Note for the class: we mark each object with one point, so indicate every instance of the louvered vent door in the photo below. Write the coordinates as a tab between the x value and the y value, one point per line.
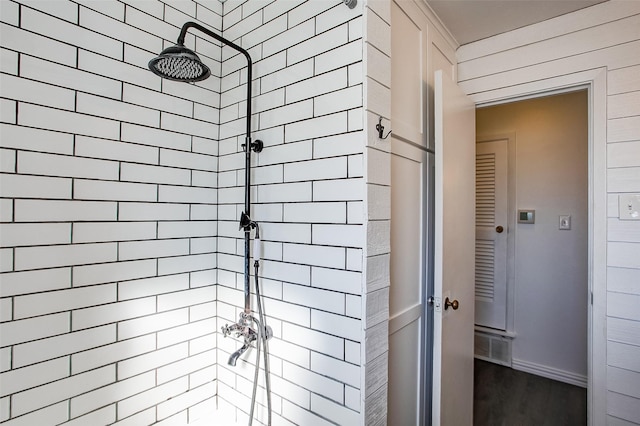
491	241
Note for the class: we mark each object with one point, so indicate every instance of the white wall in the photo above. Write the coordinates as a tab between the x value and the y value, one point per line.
603	36
551	281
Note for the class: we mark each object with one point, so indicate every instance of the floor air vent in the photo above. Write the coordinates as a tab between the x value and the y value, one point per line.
493	348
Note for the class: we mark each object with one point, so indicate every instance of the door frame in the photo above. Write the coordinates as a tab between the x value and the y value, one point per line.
595	81
426	373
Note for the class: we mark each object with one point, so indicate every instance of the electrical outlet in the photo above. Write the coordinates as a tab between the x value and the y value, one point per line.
564	222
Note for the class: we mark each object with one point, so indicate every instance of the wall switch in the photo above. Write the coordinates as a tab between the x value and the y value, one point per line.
629	206
564	222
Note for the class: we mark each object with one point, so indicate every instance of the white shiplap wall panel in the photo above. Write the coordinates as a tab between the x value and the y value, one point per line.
623	154
605	37
624	280
623	80
623	356
625	179
624	381
624	230
624	407
615	57
549	29
623	305
583	41
624	105
615	421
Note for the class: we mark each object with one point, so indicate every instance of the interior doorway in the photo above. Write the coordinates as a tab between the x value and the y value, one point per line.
547	272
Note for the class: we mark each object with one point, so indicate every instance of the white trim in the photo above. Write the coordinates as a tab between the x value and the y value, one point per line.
538	88
549	372
596	82
597	368
560	91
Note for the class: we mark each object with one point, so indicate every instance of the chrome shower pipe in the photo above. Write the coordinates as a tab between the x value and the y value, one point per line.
248	146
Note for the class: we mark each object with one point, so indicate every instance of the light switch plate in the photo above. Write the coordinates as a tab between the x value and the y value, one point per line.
564	222
629	206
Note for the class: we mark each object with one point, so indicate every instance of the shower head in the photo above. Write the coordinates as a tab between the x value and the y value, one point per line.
179	64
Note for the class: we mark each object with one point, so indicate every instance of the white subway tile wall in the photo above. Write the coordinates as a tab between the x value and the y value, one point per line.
302	100
120	194
108	231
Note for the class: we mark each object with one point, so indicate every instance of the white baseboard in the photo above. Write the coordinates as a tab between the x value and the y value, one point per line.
549	372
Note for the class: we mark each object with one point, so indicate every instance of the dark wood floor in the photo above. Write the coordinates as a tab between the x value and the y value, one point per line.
507	397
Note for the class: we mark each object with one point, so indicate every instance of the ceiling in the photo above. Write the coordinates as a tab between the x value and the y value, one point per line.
472	20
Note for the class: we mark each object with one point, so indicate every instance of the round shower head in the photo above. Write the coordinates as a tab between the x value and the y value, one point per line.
179	64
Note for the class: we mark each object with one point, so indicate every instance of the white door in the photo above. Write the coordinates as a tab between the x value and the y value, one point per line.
491	234
454	255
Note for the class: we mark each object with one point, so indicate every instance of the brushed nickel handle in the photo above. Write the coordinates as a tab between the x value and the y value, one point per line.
454	305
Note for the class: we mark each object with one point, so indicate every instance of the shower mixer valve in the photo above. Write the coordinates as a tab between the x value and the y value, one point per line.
249	334
239	330
242	328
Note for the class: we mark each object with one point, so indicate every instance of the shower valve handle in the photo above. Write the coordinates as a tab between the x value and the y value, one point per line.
228	329
240	330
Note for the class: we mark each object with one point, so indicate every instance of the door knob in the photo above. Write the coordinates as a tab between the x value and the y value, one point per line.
499	229
453	304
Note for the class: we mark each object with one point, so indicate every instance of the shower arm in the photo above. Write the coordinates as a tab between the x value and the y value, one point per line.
248	146
183	34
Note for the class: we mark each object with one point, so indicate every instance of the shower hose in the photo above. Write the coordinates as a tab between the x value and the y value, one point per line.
263	337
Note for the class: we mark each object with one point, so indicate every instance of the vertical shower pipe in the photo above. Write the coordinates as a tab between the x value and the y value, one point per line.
248	146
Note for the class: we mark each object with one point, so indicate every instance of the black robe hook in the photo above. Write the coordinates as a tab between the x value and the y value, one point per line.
380	129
